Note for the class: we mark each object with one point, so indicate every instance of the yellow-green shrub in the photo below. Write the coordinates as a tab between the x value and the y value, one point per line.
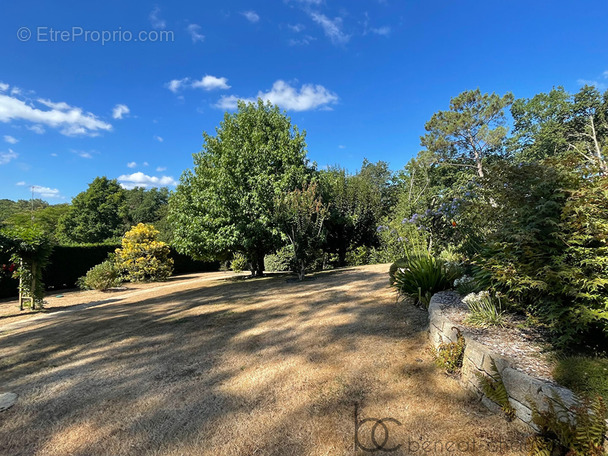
142	258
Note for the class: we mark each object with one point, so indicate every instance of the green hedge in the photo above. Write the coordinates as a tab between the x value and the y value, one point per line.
68	263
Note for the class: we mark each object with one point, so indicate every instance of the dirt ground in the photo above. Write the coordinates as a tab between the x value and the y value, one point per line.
210	366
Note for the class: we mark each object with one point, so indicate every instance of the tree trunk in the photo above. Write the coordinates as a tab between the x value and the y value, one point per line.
258	264
302	271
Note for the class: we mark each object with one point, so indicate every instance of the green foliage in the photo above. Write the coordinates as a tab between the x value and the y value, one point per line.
399	264
585	375
300	216
424	275
43	217
142	258
280	261
30	249
100	277
466	285
95	213
494	388
576	431
484	310
146	206
470	131
356	203
449	355
359	256
239	262
227	203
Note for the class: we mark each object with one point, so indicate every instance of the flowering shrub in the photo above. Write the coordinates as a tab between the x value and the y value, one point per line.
142	258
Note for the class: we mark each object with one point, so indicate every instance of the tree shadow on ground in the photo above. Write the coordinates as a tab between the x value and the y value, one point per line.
234	368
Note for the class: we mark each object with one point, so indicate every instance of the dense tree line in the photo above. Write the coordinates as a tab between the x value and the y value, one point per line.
102	213
525	209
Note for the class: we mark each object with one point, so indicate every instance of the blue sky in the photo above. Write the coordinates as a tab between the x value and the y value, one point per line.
361	77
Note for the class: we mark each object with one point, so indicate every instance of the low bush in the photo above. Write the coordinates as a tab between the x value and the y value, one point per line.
239	263
358	256
484	310
280	261
424	275
100	277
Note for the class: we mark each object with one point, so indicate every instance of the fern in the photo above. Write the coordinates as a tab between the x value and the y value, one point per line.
574	431
494	388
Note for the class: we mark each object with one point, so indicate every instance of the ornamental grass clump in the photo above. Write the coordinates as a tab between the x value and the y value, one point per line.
142	258
485	310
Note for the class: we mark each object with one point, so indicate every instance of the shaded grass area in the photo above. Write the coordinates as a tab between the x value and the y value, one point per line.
587	376
264	367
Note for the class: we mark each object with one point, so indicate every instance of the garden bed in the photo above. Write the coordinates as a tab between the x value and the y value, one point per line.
523	345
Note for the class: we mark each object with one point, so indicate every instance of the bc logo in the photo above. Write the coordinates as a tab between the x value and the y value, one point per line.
378	446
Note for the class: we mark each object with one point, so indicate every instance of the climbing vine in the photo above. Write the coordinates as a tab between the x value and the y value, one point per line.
30	250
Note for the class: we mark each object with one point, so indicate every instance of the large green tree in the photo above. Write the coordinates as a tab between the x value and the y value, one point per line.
470	131
146	206
95	213
227	203
356	204
557	123
300	215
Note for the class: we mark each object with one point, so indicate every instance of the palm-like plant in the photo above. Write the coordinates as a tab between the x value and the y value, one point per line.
424	275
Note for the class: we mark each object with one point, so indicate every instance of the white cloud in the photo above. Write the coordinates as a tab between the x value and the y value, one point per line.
382	31
598	85
341	146
251	16
38	129
160	169
131	165
20	183
6	157
155	19
207	82
3	87
287	97
195	33
83	153
70	121
176	84
46	192
11	140
54	154
140	179
159	138
297	28
146	164
331	28
304	41
120	110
